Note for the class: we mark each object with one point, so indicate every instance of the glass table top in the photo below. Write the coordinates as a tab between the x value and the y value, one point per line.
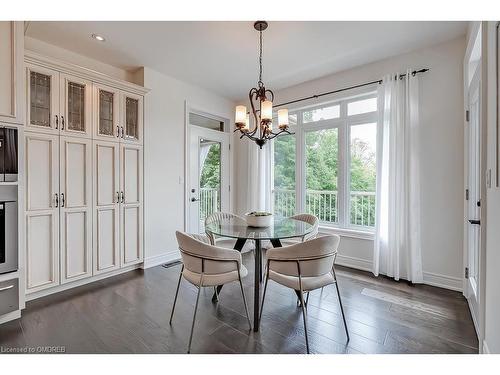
280	228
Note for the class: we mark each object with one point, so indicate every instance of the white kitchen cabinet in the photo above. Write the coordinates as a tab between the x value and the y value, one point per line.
131	210
107	114
75	106
132	116
42	211
11	72
75	208
106	206
58	103
84	175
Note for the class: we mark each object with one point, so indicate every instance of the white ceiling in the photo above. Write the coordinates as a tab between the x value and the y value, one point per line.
223	56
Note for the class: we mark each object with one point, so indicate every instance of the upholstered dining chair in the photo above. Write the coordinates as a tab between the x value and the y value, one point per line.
217	216
307	218
205	265
304	267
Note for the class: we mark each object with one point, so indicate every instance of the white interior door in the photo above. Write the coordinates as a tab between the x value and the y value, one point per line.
76	208
42	211
208	179
131	204
474	198
106	216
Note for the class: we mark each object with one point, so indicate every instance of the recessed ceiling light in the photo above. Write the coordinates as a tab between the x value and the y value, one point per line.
98	37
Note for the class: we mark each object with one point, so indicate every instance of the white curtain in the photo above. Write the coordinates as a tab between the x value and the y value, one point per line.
258	177
204	150
397	250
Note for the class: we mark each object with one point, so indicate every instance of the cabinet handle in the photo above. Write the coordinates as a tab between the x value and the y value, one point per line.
123	133
7	288
62	122
117	197
62	200
117	131
123	197
57	200
57	122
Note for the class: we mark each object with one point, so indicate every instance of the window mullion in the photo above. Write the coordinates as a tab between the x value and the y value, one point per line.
300	163
343	170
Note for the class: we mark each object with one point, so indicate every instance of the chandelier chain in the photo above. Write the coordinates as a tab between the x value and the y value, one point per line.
260	59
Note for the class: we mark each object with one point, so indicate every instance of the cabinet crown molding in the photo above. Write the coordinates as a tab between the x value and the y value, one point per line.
82	72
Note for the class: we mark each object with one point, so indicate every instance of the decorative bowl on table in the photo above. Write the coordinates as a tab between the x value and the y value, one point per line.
259	219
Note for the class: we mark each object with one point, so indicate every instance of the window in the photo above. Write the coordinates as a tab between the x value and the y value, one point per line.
328	168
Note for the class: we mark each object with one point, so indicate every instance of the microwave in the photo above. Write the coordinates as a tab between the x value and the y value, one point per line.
8	155
8	229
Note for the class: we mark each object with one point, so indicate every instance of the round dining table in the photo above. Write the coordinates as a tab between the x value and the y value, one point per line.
237	228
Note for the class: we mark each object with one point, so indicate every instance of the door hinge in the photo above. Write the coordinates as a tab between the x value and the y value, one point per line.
229	187
466	194
229	146
466	274
467	115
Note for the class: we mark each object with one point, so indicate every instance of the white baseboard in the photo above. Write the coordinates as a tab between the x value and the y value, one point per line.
353	262
10	316
161	259
486	350
60	288
443	281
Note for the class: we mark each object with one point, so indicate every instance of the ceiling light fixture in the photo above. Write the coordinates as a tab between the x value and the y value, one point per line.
98	37
263	129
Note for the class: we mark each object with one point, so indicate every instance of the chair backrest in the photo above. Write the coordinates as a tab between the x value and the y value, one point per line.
311	258
310	219
199	256
217	216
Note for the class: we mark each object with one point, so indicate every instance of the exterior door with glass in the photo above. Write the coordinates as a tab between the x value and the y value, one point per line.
208	175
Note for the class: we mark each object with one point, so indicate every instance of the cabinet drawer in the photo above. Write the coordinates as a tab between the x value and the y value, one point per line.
9	296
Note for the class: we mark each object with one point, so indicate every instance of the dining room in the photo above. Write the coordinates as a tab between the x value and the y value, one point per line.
280	185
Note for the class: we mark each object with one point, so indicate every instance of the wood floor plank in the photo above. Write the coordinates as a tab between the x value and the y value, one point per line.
130	313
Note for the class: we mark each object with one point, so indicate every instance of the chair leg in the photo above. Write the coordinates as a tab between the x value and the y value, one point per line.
216	294
176	293
304	315
194	315
340	303
307	298
245	303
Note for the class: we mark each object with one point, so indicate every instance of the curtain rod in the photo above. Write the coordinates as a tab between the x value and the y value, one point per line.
401	76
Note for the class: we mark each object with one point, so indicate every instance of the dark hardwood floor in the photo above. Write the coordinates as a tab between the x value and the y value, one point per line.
129	313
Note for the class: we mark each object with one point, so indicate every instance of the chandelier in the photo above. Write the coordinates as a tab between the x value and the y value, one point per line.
263	116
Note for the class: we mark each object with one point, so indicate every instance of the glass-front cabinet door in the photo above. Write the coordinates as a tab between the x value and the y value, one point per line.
76	102
107	113
132	120
43	98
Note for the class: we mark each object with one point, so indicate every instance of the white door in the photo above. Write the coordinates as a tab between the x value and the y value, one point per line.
106	204
131	204
75	106
474	197
76	208
42	99
42	211
208	179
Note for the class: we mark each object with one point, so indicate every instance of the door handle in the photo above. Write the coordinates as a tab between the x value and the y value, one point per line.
194	199
62	122
475	222
62	200
123	197
117	131
117	197
57	200
57	122
123	133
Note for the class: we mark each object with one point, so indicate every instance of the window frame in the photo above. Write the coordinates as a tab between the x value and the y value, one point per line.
343	123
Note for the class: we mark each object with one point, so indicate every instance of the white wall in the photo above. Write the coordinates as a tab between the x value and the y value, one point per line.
492	298
164	157
442	154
